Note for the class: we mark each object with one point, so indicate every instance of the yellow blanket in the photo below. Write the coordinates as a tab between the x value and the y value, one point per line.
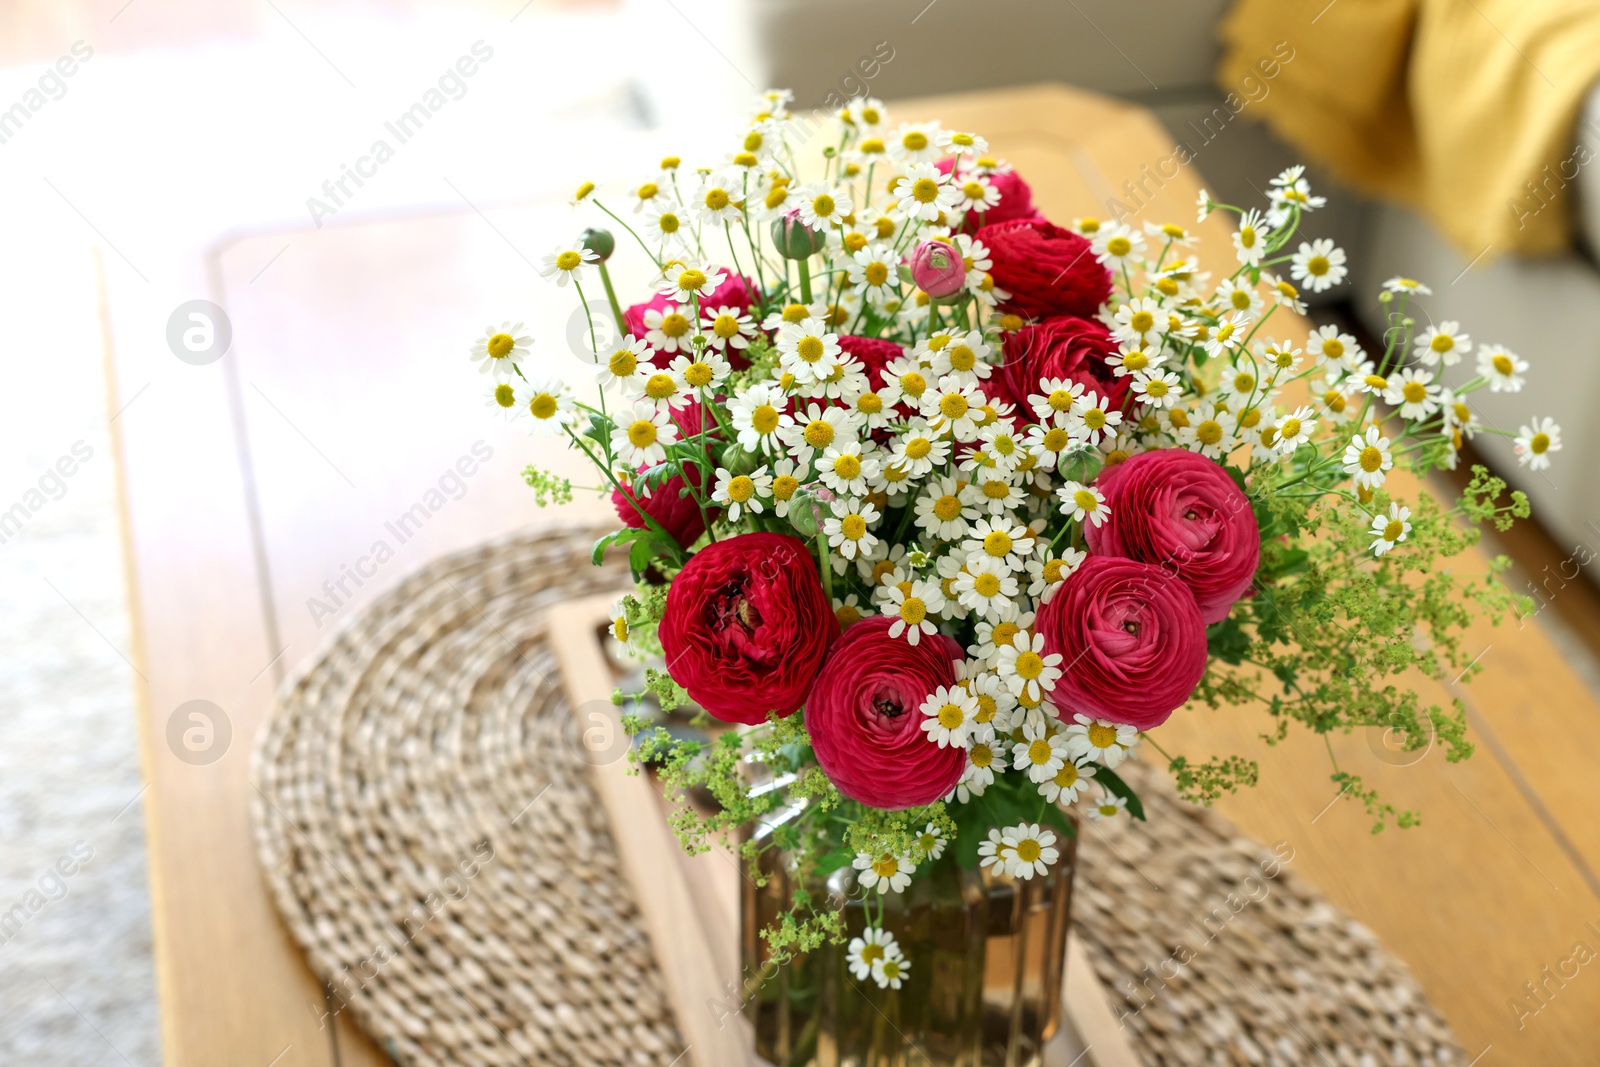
1464	109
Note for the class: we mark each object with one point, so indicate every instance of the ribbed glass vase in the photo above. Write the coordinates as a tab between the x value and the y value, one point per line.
987	959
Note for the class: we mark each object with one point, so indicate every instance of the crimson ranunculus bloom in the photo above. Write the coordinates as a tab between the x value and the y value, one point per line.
1046	269
1182	511
864	716
1061	347
747	625
1132	644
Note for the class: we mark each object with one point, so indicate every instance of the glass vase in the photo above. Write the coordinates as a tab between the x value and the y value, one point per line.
987	955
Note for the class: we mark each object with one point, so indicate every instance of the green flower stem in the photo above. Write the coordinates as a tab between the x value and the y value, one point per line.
827	566
804	267
616	308
653	257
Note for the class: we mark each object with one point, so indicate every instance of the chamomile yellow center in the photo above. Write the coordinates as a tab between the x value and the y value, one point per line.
819	433
501	344
1209	432
1393	530
674	324
951	716
1371	458
542	406
853	527
947	508
642	434
568	260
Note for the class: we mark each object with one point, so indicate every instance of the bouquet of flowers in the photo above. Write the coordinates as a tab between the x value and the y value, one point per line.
949	507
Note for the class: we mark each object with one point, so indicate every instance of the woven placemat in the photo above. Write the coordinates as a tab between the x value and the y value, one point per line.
427	826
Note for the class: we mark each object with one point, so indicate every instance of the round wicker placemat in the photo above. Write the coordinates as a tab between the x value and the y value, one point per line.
427	826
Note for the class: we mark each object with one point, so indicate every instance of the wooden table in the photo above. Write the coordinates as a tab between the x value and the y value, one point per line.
260	485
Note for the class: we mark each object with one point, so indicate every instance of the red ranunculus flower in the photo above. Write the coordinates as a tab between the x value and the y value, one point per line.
667	503
865	719
1132	644
1180	510
1061	347
746	626
1047	270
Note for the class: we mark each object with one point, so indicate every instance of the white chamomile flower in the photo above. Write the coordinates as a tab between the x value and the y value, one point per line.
1284	294
1389	530
918	451
1294	430
503	398
962	144
640	436
759	415
1503	367
986	586
664	227
1333	347
1118	246
1047	442
1250	240
667	328
948	716
1068	783
567	263
784	485
1403	286
1001	539
1415	392
873	946
549	404
1158	388
1025	668
1047	573
686	282
977	193
659	387
500	350
816	428
1443	343
916	143
978	774
705	370
1094	418
888	873
727	327
1108	807
1227	335
1083	503
905	382
1210	432
964	358
953	408
823	207
807	350
1535	442
619	622
1041	752
843	469
941	510
994	852
874	272
849	528
995	490
931	843
1367	458
738	492
923	193
1140	322
1318	265
911	607
621	368
890	974
1032	850
1054	400
1238	295
1100	740
718	200
993	635
1131	360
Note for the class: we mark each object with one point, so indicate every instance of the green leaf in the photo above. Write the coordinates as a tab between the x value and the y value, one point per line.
639	556
1115	785
615	537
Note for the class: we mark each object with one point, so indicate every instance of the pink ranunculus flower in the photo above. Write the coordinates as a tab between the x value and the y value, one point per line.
1181	511
865	717
735	292
938	269
1132	644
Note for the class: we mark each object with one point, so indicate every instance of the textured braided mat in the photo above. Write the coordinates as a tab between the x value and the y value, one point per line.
427	825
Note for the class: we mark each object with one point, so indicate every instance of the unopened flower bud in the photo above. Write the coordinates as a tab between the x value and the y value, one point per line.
598	241
737	460
1081	465
809	507
938	269
794	239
